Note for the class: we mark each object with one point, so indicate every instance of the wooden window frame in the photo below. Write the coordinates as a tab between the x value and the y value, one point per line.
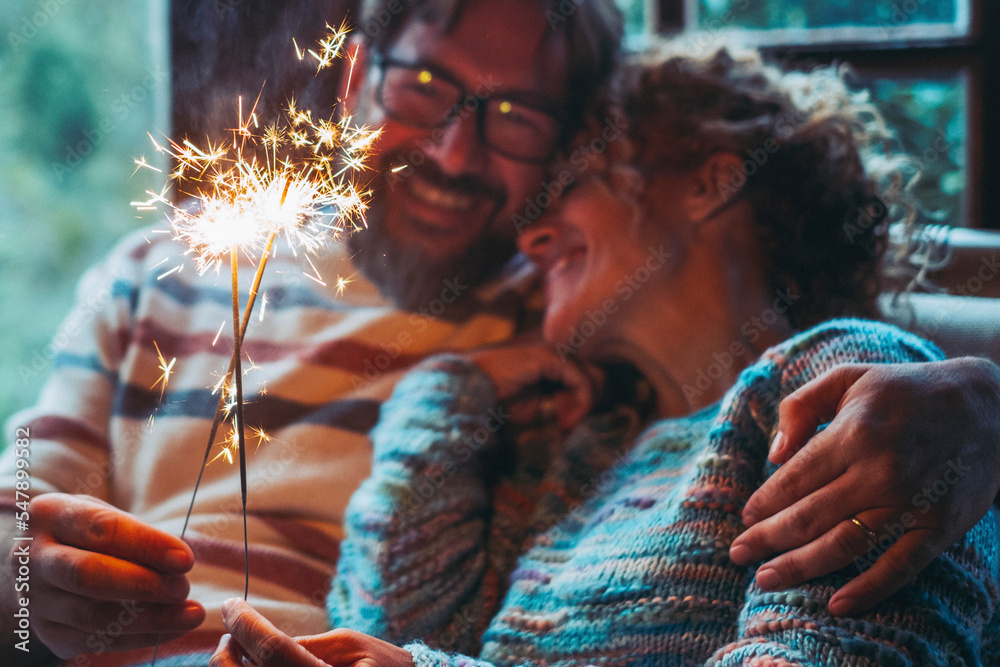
969	49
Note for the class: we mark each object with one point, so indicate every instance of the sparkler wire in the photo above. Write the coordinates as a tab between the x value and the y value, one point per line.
232	364
240	430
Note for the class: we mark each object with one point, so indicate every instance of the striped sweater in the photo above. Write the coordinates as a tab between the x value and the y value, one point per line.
612	549
318	366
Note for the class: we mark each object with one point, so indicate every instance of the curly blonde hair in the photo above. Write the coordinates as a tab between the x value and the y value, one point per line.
805	139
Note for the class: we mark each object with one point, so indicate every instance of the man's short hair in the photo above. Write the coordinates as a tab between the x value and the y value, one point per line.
592	30
226	49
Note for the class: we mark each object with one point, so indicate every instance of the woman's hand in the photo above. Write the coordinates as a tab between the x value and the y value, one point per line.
520	370
912	452
253	637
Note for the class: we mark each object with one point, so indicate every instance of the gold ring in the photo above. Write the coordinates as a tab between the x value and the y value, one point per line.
868	531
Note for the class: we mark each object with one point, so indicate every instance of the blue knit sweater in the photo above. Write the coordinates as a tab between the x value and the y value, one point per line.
611	547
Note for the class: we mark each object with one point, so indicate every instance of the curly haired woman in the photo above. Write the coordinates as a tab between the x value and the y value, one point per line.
611	546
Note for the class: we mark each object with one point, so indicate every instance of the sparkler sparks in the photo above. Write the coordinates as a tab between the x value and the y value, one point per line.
291	179
342	283
294	180
166	369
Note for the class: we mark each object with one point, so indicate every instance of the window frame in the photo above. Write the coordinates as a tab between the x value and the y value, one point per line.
906	52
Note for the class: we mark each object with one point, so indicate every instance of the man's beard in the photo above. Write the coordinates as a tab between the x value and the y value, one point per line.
404	272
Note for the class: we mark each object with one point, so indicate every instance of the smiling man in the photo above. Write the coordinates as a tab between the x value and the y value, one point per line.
475	97
471	115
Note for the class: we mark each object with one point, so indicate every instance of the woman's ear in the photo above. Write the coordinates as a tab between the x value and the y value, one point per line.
713	185
352	78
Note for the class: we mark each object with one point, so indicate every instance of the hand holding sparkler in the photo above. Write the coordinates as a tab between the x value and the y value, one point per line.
292	180
95	566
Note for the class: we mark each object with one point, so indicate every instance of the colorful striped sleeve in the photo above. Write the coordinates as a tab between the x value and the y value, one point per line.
415	551
68	427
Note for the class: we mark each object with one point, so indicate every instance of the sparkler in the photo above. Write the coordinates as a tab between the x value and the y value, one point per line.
291	179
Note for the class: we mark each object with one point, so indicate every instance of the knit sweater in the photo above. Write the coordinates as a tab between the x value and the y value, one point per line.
318	365
608	549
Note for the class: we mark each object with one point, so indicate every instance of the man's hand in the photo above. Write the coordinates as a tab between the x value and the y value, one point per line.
517	368
912	451
98	570
254	638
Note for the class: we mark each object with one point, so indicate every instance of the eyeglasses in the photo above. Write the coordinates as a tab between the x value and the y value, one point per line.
426	97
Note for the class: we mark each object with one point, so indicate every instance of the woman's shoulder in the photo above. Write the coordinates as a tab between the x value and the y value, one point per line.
849	340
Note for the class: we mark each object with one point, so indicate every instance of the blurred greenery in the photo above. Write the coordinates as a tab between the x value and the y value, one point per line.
769	14
635	17
928	114
80	85
928	117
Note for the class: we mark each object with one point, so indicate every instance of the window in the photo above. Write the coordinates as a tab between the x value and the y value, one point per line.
832	21
81	85
926	63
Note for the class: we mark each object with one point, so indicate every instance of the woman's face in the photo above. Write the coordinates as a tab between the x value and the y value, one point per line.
601	261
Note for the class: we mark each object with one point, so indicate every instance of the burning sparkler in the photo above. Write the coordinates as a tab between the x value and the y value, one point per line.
291	179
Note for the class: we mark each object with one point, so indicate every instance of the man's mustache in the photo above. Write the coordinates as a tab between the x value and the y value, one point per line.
429	172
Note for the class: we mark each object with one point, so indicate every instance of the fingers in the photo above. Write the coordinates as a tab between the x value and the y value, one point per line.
801	523
521	372
227	654
845	544
67	642
263	643
95	526
811	405
99	577
546	385
131	616
892	570
818	464
347	648
575	402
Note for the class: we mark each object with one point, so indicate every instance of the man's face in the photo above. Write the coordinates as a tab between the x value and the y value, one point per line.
447	211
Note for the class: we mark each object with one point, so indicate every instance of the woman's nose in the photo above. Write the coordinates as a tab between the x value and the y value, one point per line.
536	238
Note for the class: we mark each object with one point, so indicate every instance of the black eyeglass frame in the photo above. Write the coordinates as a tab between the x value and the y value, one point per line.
382	62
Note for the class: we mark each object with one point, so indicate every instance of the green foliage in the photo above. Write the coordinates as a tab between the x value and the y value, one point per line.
79	88
928	118
769	14
635	17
